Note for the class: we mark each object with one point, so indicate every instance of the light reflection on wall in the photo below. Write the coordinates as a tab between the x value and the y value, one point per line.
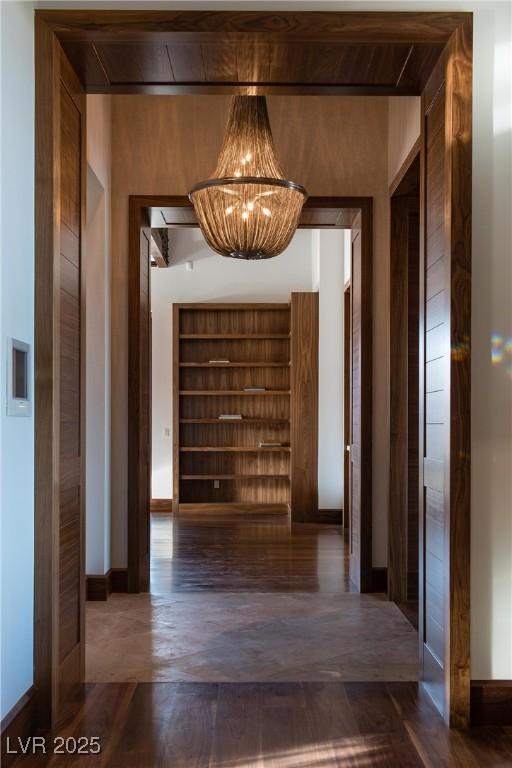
501	351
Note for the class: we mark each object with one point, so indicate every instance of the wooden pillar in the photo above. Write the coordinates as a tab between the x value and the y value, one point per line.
304	406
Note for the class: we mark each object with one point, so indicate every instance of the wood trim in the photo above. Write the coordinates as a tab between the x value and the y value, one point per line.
274	89
366	407
404	266
160	506
18	723
491	702
360	213
347	333
280	26
329	516
449	685
304	406
119	580
138	508
400	27
46	325
57	679
98	587
459	76
379	579
409	160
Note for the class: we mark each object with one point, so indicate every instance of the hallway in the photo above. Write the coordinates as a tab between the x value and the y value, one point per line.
251	652
248	600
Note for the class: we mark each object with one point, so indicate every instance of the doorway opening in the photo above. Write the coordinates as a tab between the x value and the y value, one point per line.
432	59
332	213
232	581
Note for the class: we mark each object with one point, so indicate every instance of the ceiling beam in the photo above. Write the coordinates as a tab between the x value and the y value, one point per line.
235	26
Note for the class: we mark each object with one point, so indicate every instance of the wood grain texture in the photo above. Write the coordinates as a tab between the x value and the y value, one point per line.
404	415
98	587
435	343
346	404
46	327
161	506
139	400
459	131
361	363
390	27
445	380
304	406
222	724
491	702
60	377
255	339
290	52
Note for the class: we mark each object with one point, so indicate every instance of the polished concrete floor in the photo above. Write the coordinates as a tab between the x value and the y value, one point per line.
248	600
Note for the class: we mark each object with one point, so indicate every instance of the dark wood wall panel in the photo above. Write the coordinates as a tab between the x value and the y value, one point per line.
436	395
404	330
445	378
355	420
304	406
71	376
254	52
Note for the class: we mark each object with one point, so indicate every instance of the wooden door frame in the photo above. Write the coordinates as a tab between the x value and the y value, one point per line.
347	298
398	389
453	29
356	209
52	68
454	73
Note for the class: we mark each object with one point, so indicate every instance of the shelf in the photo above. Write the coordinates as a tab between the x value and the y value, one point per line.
233	342
234	477
234	365
234	507
228	336
235	421
236	392
234	449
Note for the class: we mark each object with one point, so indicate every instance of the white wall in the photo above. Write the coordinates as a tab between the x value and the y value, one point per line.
491	405
213	279
97	359
330	379
17	320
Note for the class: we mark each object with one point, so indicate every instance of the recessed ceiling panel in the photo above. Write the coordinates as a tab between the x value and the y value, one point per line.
133	63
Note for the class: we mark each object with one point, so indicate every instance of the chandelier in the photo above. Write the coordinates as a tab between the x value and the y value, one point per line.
248	210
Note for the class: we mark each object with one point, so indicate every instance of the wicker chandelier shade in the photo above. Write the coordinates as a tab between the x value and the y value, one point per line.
247	210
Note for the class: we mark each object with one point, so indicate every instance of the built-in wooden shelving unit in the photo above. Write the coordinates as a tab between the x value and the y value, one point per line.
219	350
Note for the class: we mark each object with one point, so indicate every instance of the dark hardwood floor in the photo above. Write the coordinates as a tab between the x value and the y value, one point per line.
246	554
268	725
229	719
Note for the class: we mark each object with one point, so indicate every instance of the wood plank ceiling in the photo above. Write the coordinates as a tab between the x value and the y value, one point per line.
223	52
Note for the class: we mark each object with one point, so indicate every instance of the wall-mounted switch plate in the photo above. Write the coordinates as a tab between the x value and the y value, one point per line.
167	431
